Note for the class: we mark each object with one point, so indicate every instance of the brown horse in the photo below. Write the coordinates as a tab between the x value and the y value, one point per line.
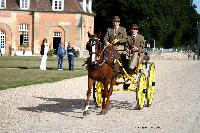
101	68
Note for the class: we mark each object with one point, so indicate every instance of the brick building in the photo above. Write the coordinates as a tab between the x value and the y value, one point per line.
25	23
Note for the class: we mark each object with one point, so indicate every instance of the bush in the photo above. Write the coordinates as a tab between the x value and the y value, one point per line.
51	52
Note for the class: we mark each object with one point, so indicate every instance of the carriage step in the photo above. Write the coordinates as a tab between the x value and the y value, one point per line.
125	86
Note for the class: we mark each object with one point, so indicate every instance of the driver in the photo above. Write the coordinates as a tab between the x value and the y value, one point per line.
117	37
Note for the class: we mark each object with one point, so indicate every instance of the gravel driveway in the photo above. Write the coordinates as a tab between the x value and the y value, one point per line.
58	107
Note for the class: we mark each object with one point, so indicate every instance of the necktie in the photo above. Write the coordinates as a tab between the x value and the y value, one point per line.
115	30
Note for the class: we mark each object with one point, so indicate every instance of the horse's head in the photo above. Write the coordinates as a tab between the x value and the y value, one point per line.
93	46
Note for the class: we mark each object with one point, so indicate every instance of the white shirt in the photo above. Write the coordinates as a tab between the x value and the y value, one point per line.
46	48
115	29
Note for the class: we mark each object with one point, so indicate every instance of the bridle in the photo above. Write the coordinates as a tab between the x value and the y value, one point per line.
92	44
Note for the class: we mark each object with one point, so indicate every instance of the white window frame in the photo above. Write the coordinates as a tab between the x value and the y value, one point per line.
58	5
57	34
2	38
2	4
23	30
24	4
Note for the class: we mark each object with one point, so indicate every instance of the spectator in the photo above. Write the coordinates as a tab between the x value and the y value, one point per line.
77	53
61	54
70	53
0	50
43	52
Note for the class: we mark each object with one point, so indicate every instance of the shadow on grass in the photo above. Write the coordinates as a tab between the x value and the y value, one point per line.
23	67
48	68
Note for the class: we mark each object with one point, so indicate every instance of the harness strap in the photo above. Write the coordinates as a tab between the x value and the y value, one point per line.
98	57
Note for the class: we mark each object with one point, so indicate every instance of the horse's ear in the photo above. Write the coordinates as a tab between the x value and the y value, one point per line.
89	35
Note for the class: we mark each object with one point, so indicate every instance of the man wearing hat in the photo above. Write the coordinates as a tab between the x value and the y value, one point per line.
116	35
135	46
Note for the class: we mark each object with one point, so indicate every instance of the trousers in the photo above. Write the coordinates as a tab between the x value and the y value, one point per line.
43	63
60	62
136	59
71	62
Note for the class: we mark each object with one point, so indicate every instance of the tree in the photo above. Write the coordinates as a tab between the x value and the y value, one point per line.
171	23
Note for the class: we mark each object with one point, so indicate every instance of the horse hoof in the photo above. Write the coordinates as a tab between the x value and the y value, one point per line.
85	113
103	112
97	106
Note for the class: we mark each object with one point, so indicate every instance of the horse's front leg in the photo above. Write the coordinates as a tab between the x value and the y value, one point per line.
113	82
106	98
90	85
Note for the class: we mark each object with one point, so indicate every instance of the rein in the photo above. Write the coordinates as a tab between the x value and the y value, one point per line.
98	57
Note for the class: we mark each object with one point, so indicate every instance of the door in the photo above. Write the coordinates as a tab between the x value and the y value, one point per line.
2	42
56	41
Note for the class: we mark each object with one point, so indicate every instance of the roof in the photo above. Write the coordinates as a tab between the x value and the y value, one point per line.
70	6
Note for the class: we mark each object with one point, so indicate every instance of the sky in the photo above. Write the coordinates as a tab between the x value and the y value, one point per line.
197	3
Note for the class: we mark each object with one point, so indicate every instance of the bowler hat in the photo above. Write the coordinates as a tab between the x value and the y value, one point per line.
116	18
134	26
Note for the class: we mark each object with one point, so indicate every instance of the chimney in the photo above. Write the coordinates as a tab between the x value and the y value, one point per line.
89	6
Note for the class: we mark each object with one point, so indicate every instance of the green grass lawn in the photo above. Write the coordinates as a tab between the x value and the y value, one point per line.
18	71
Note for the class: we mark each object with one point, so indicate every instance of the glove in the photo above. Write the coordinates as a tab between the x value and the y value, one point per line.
115	41
135	48
107	44
127	50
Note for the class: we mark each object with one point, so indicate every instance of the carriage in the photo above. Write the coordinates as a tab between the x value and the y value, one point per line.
141	80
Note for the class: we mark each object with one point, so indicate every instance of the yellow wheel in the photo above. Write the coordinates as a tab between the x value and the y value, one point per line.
150	84
97	93
140	95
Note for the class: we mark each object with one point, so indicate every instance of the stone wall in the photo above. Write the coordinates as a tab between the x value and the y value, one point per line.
169	56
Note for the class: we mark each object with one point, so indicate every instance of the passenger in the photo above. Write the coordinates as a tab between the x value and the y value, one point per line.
135	44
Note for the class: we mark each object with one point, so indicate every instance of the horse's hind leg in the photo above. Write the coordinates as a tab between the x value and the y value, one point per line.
90	84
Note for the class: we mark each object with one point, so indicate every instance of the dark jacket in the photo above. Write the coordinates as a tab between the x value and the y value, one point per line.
42	49
61	51
70	50
138	42
120	34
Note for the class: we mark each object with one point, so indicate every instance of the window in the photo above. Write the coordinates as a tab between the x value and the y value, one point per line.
23	34
24	4
57	34
2	39
2	42
2	4
58	5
